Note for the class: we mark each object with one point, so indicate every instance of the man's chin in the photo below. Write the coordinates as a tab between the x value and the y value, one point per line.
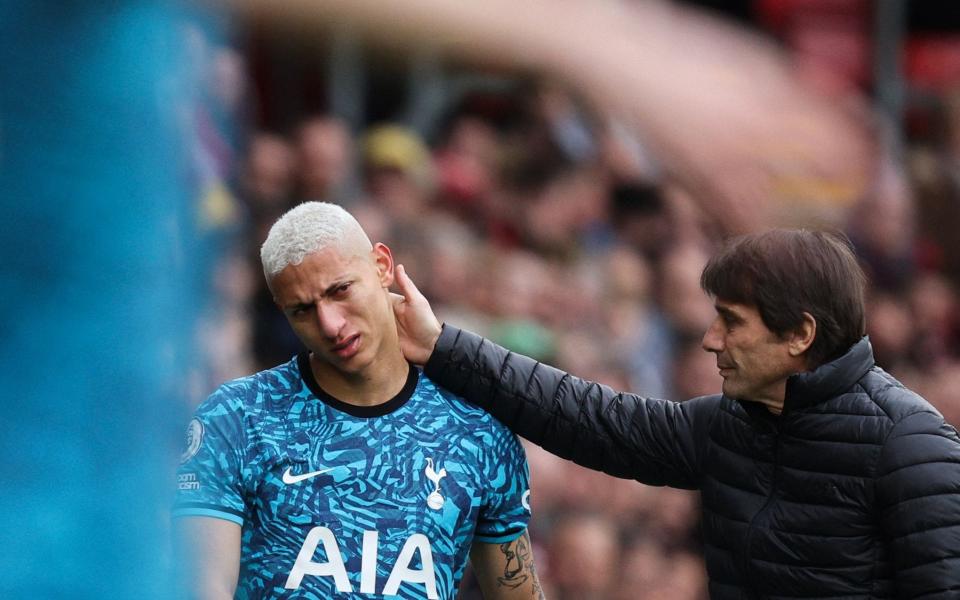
730	391
351	365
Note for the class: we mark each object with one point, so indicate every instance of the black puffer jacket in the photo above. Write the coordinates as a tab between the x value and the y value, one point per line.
853	492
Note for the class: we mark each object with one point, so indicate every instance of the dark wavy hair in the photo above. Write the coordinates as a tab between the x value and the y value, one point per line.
787	272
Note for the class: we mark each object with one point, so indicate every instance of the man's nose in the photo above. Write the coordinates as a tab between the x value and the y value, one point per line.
713	337
331	320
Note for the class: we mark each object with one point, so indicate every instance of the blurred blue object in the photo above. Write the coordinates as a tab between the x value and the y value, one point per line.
99	289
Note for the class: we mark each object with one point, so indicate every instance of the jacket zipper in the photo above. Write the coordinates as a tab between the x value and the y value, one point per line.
747	550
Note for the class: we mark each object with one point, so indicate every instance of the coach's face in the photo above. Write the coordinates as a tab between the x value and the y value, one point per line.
753	360
338	305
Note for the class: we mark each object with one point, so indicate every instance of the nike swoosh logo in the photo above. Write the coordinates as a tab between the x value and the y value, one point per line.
289	478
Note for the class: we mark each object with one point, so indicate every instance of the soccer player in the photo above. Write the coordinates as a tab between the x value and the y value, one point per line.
345	473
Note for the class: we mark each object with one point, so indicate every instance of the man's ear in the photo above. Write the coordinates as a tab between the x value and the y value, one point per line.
802	337
383	258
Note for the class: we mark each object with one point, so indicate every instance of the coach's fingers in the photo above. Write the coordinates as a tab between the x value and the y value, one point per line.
407	288
417	326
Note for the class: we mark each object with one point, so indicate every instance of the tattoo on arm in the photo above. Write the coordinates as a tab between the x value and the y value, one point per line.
519	568
516	559
537	590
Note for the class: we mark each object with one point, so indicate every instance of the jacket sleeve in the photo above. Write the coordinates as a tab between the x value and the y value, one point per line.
918	490
653	441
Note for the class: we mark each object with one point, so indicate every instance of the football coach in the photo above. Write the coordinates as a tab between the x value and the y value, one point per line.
821	476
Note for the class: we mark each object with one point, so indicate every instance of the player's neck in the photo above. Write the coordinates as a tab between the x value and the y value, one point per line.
383	379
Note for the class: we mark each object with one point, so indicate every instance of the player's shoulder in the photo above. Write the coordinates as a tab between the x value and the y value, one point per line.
475	418
251	392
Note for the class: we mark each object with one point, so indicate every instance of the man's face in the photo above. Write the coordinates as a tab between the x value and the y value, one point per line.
753	361
338	305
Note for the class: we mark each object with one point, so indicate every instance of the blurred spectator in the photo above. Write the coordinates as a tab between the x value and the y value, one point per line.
638	336
326	163
267	181
933	301
891	330
934	165
559	218
684	303
685	579
268	185
639	217
883	229
674	517
936	183
466	164
583	554
645	566
397	172
519	281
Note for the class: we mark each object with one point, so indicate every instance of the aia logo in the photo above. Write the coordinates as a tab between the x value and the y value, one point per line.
334	567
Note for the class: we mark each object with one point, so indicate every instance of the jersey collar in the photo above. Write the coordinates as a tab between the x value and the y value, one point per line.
378	410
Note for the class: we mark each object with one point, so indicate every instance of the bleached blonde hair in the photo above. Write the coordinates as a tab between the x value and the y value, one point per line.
308	228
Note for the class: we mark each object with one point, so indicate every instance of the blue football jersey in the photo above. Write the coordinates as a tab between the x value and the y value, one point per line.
341	501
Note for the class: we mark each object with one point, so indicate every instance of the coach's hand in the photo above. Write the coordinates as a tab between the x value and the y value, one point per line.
418	327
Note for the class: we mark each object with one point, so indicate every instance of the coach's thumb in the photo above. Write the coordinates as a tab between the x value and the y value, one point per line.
406	286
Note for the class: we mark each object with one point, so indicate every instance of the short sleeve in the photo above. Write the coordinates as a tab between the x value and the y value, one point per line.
505	512
209	481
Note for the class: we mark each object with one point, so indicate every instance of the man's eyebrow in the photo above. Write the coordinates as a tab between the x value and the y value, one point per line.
298	305
339	282
727	312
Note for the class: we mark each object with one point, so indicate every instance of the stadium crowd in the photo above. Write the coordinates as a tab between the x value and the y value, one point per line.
552	230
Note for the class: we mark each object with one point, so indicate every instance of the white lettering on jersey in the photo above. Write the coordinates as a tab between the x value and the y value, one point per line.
368	563
188	481
305	565
401	572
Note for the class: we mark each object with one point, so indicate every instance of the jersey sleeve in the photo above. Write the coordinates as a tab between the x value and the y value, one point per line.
209	479
505	512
